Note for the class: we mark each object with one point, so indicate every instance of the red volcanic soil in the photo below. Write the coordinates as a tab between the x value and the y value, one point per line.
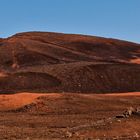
19	100
68	116
14	101
56	62
48	70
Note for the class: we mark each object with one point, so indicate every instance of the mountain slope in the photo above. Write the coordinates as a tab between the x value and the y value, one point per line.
56	62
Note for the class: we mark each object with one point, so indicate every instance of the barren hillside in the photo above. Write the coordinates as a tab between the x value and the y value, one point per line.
56	62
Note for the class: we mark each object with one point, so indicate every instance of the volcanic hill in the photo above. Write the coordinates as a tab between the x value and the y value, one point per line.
57	62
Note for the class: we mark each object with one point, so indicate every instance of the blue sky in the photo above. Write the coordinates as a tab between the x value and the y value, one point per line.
108	18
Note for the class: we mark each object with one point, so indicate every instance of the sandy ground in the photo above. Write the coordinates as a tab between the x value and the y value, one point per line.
136	61
33	116
14	101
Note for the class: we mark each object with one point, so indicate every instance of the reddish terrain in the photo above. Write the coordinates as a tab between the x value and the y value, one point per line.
68	116
57	62
45	81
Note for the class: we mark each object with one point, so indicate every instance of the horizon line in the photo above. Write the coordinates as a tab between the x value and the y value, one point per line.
70	33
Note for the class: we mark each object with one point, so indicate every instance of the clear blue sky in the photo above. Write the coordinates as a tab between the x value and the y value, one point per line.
109	18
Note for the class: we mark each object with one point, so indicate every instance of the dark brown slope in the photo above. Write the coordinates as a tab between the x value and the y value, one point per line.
55	62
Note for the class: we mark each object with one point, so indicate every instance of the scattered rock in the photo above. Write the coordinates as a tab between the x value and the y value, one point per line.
120	116
129	112
68	134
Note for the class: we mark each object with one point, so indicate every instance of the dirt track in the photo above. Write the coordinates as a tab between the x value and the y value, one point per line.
68	116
